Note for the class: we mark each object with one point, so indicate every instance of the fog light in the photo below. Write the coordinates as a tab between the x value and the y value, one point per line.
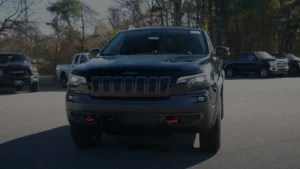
201	99
70	97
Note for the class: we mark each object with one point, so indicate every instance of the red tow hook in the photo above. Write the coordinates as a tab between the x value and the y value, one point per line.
173	120
88	118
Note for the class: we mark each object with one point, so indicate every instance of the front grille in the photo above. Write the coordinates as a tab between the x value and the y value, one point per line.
18	72
281	64
119	86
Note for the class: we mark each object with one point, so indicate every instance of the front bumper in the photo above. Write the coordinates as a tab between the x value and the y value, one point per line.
279	70
14	82
159	115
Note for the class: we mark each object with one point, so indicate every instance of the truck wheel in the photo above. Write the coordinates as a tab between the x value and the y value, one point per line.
264	72
18	88
34	87
210	141
84	137
229	72
293	71
63	80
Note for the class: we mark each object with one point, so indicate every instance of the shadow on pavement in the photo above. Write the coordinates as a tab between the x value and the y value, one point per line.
52	89
54	149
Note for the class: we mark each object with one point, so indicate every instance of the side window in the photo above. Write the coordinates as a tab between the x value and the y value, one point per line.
251	57
76	58
83	59
243	57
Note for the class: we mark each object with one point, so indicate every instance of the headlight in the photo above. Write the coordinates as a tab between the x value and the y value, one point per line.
272	63
194	80
76	80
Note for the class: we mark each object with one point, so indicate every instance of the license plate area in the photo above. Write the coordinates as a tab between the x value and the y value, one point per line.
19	82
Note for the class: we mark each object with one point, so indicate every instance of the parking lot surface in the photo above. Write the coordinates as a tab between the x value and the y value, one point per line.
260	130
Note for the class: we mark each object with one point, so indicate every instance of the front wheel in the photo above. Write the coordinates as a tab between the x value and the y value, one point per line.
63	80
229	72
85	137
34	87
264	73
210	141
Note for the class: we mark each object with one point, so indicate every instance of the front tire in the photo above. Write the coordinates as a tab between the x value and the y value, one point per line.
229	72
63	80
34	87
264	72
210	141
85	137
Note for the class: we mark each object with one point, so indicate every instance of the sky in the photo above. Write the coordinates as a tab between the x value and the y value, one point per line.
42	16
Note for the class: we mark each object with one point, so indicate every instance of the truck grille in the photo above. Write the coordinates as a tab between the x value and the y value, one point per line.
18	72
281	64
119	86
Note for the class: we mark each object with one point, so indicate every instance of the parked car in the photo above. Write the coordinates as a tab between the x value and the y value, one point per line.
159	81
261	63
293	61
63	70
17	72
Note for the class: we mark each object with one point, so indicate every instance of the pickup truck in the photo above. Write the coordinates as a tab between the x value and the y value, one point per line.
293	61
261	63
63	70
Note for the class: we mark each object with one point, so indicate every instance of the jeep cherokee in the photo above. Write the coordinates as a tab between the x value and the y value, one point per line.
149	81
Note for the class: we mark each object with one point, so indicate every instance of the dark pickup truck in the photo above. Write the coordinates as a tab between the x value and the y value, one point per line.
149	81
293	61
261	63
17	72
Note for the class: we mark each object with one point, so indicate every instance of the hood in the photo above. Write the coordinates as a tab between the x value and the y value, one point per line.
282	60
144	65
15	65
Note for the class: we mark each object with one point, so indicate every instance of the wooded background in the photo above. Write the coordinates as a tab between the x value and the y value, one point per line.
242	25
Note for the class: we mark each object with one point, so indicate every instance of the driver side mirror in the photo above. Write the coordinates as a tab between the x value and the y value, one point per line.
34	62
222	51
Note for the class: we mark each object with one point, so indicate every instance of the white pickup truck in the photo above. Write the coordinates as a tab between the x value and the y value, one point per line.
63	70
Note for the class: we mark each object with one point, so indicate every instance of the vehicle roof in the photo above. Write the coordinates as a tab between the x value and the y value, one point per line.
163	28
10	53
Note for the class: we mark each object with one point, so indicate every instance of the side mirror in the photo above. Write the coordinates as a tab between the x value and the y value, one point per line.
222	51
34	62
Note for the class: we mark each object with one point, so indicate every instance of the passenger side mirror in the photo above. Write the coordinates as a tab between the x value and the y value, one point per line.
222	51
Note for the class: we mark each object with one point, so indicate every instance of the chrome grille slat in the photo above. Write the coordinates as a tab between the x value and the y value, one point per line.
117	86
128	84
106	87
140	84
168	79
155	83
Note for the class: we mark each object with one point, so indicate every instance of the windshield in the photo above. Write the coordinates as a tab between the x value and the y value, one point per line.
157	42
8	58
280	56
264	55
291	56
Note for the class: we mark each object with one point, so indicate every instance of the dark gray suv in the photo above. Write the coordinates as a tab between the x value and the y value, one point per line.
149	81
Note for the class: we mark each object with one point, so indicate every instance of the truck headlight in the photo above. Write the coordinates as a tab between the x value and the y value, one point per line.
76	80
194	80
272	63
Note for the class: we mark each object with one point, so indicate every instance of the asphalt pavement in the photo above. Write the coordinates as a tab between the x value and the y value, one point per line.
260	130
